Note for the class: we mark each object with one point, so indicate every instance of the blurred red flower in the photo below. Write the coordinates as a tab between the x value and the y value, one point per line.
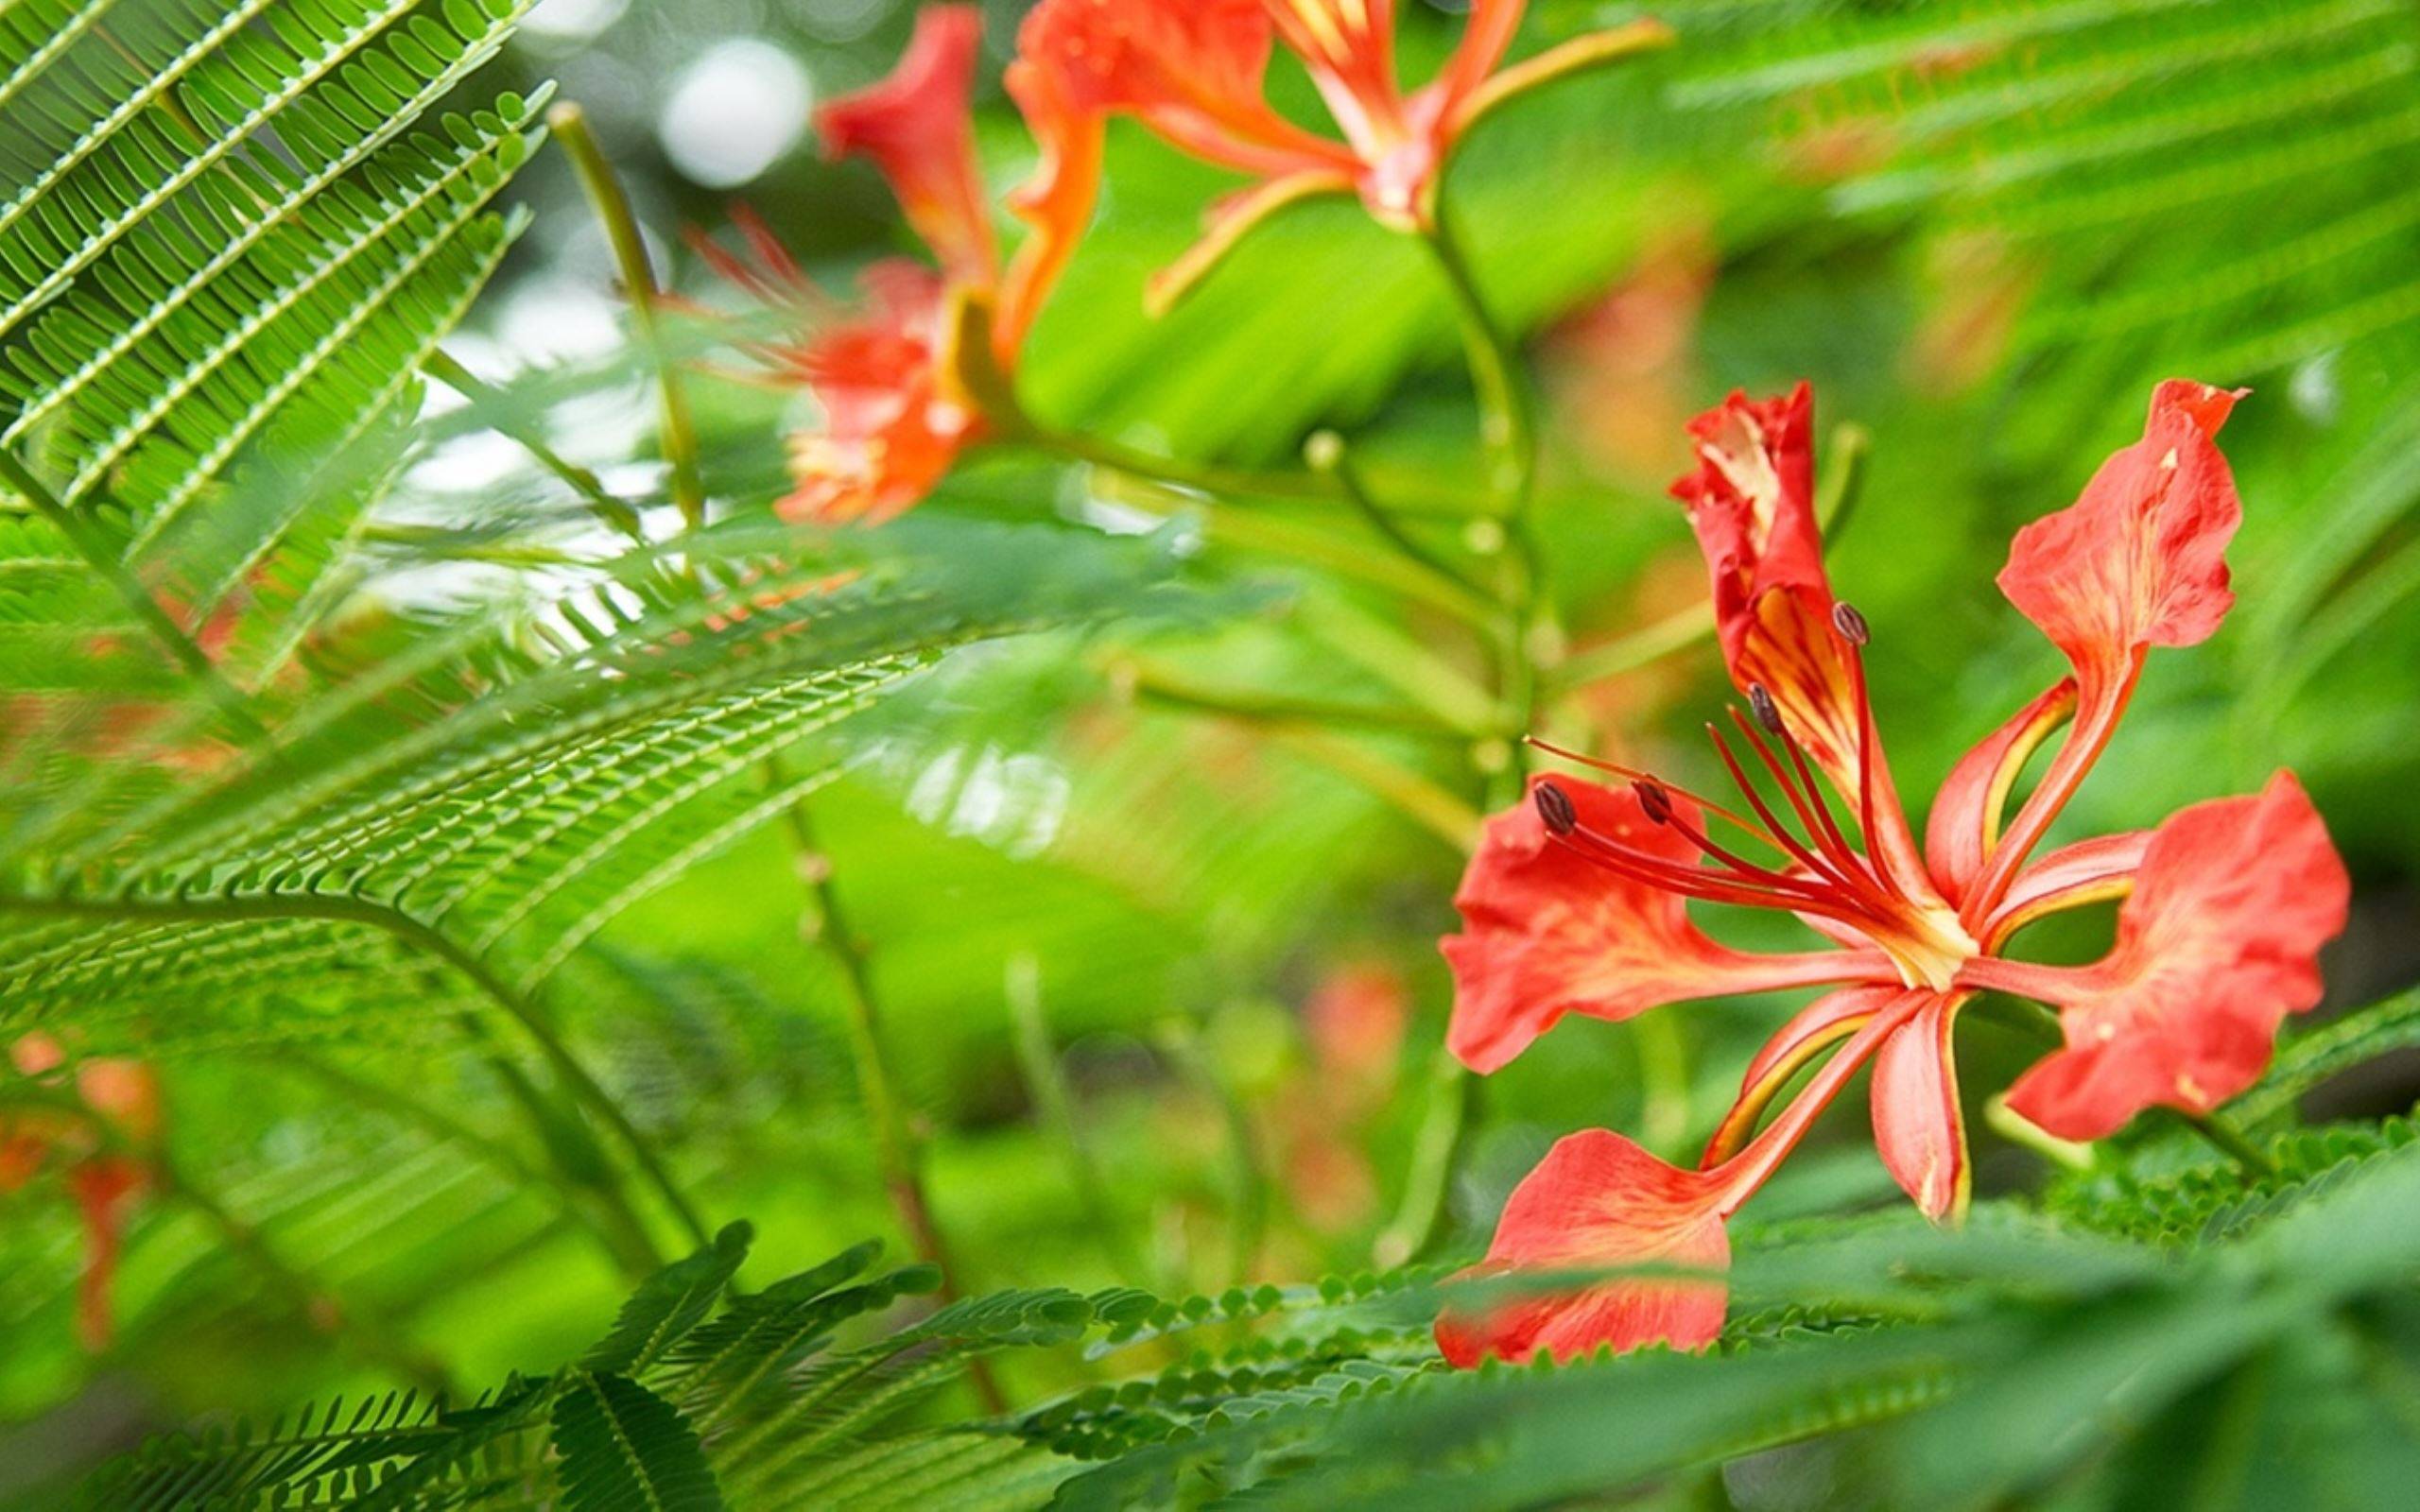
919	373
1192	70
1576	902
108	1113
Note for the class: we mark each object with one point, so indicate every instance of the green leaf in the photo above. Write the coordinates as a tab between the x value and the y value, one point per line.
626	1450
669	1304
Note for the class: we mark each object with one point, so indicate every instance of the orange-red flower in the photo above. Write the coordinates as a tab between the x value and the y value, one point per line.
921	371
1577	901
108	1112
1192	72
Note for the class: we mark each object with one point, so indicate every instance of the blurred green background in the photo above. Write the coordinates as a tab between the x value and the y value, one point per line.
1984	230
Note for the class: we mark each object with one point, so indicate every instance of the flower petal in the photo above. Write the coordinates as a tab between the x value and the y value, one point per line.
1599	1200
1487	36
104	1187
1752	503
2075	876
1231	220
1547	932
890	432
1918	1126
1056	202
1348	47
918	126
1190	70
2140	558
2217	944
1965	825
1820	1025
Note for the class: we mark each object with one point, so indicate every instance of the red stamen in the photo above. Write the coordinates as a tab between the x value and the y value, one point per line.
1821	865
1811	805
1638	774
1790	893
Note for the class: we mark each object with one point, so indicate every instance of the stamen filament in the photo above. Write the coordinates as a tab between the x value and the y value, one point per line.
1811	808
1876	858
1639	774
1821	864
1695	882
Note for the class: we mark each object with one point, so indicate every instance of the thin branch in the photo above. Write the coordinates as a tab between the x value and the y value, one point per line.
1328	456
2222	1135
569	124
1046	1083
898	1147
616	512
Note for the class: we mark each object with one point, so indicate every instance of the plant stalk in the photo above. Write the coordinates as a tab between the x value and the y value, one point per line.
569	124
898	1148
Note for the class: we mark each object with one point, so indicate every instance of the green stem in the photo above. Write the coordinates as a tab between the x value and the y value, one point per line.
1674	632
180	647
616	512
1509	432
2230	1140
1203	477
1247	1178
1419	1217
1258	530
1663	1080
899	1152
1440	812
1327	454
1038	1058
1507	428
569	124
1157	685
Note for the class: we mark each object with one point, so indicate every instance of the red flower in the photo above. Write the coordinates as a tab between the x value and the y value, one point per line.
1192	72
1577	901
115	1105
903	394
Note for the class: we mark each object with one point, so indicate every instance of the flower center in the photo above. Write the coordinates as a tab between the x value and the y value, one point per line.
1815	873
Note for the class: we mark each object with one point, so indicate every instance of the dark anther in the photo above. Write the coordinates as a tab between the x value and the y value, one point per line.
1555	806
1768	713
1654	801
1851	625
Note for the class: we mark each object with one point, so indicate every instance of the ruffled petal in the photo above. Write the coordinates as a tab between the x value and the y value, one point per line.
2218	942
1547	932
918	127
2140	558
1598	1200
1965	825
1751	505
1752	502
1918	1126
